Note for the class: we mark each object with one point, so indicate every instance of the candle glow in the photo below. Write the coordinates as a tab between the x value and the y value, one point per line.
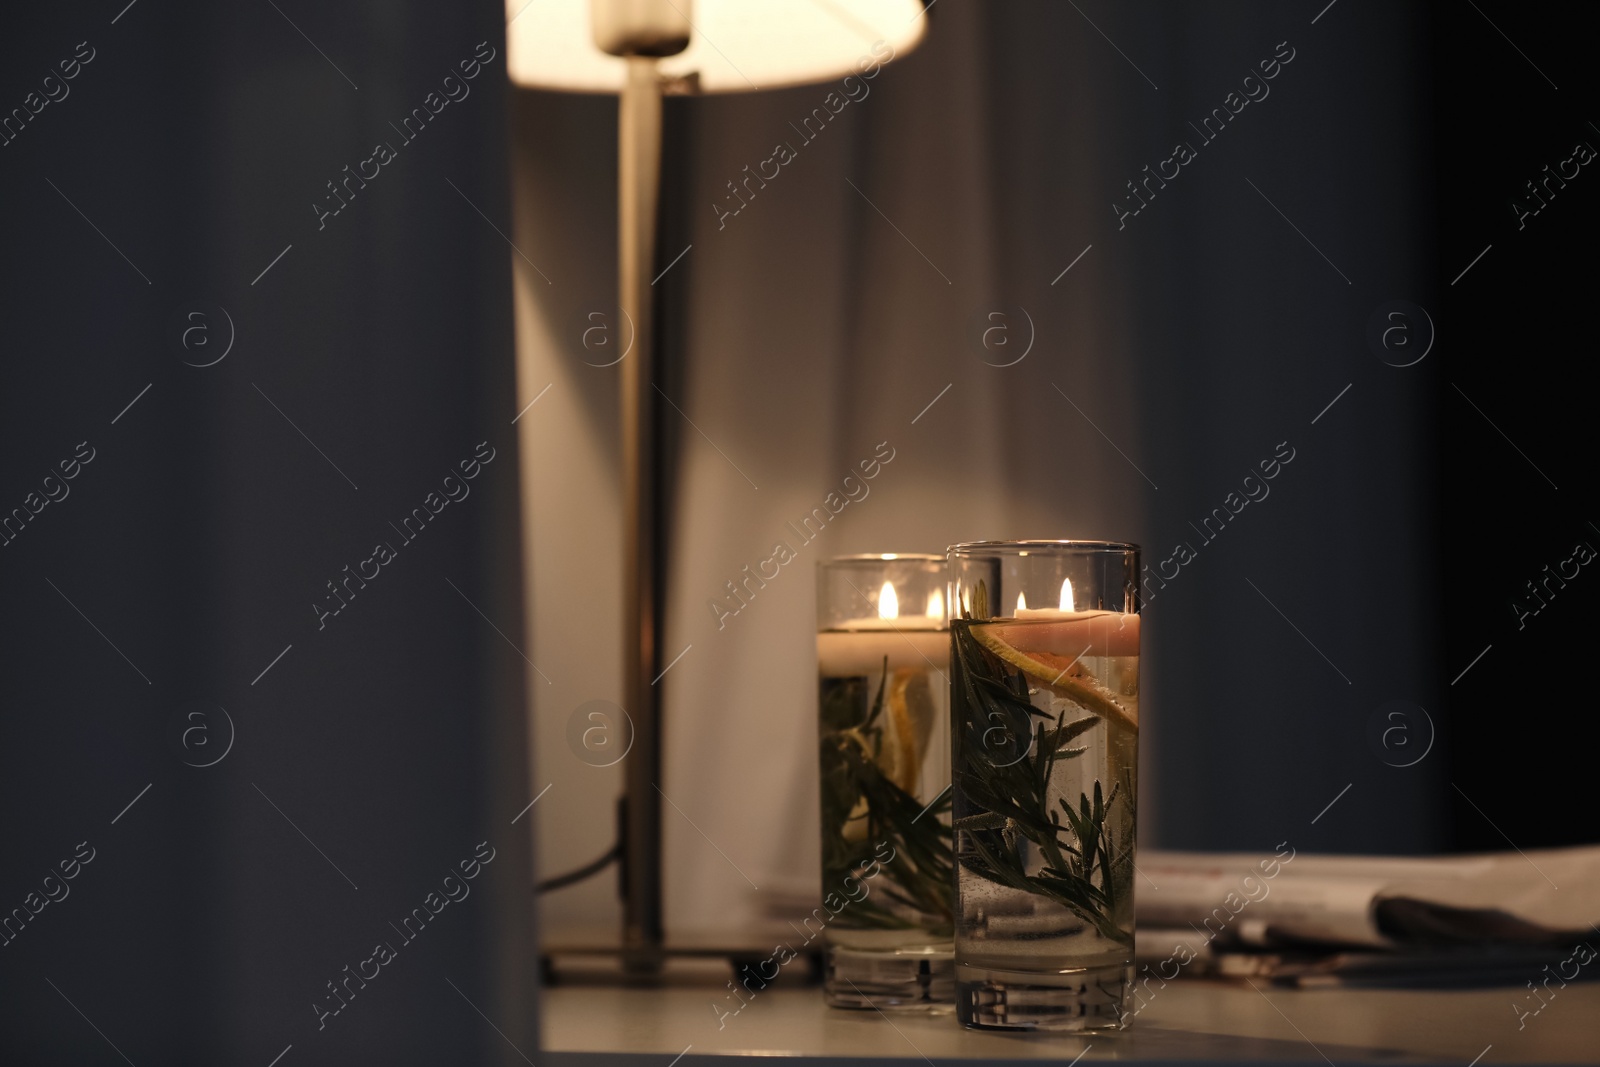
888	603
1066	595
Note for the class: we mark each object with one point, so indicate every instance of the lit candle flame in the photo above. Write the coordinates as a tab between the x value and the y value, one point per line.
1066	595
936	605
888	603
1022	603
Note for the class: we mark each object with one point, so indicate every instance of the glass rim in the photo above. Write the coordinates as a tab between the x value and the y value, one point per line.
883	557
991	547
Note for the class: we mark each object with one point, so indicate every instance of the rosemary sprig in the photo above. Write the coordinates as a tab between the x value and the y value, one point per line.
1006	796
919	891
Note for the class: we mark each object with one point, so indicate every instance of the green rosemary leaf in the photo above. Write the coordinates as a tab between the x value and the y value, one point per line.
980	602
860	801
1073	729
877	705
1006	802
1005	696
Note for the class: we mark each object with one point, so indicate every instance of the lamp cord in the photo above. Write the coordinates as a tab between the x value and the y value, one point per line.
588	870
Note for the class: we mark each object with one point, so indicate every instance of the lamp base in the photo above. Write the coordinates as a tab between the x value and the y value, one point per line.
711	959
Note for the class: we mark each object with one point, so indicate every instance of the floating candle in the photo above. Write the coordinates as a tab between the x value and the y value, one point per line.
858	646
1071	633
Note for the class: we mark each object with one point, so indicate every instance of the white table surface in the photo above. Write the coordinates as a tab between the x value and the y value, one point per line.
1189	1020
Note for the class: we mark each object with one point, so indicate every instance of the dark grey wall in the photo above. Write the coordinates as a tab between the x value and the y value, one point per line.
388	741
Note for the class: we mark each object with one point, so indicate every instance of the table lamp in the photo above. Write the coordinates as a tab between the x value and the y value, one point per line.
640	49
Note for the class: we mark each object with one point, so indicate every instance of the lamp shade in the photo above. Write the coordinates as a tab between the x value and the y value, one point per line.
735	46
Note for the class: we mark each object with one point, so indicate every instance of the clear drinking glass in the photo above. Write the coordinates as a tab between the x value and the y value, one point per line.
883	649
1044	700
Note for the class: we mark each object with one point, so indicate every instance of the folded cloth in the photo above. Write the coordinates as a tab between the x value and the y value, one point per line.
1501	900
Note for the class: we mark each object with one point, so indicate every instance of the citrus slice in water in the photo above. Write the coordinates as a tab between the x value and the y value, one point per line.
1064	675
908	725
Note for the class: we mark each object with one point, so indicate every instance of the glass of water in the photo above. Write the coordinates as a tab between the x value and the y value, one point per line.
1044	702
883	649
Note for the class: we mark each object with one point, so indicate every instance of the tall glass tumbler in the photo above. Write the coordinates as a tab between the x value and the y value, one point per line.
1044	700
883	650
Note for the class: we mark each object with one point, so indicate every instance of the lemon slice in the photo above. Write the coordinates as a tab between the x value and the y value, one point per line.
1063	676
908	725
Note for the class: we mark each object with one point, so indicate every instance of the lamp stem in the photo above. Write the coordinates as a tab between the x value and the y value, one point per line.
638	189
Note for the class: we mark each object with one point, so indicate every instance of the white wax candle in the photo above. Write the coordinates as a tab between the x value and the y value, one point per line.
1071	633
859	646
899	622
